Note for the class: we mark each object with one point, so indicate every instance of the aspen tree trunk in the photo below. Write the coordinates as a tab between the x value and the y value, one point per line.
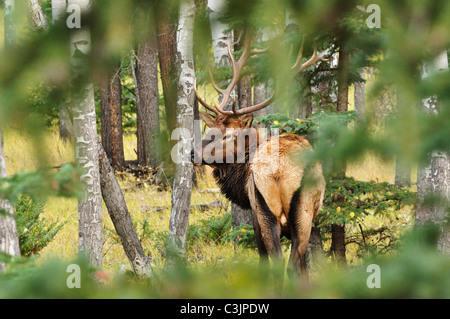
9	24
243	90
402	165
244	99
262	91
59	8
9	239
218	33
182	186
37	16
86	149
433	177
120	216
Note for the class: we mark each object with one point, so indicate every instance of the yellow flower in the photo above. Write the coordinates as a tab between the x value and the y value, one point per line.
338	209
243	230
275	122
352	215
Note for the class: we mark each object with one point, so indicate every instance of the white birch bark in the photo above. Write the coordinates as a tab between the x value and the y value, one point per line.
182	186
37	16
59	8
218	32
9	24
434	176
86	150
220	38
9	239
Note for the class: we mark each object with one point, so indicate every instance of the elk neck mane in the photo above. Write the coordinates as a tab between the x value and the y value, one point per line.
232	179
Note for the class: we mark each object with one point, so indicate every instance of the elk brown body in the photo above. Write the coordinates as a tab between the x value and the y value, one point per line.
271	186
263	174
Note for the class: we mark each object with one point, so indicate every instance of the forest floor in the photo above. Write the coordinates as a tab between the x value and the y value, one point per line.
149	206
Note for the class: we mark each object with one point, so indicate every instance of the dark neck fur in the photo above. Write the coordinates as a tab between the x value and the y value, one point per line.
232	179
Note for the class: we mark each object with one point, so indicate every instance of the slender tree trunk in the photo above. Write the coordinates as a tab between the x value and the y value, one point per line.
218	33
37	16
338	231
59	8
360	96
111	120
86	150
402	164
166	30
182	186
338	241
220	37
9	24
118	211
9	239
433	176
343	78
244	99
148	146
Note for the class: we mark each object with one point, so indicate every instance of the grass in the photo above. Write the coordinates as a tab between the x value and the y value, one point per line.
139	199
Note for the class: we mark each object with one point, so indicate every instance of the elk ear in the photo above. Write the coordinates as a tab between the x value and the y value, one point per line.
209	119
247	120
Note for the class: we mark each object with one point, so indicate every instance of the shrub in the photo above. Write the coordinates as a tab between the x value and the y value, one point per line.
33	232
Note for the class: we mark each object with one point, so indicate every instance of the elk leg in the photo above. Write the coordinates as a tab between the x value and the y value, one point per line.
301	215
263	257
269	228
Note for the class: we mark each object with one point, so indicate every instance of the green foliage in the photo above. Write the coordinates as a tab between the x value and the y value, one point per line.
212	229
42	183
34	233
308	126
347	201
219	230
402	276
243	235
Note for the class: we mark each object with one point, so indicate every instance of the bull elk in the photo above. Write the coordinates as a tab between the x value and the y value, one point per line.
269	178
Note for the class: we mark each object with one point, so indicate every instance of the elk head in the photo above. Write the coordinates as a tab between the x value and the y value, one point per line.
231	136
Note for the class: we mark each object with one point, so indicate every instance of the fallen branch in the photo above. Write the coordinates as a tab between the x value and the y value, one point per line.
202	207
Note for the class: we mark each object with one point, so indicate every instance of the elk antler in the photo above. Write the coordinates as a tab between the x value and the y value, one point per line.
237	67
297	67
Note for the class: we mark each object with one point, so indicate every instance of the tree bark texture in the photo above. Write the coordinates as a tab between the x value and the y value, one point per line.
111	120
182	186
244	99
9	24
218	32
148	130
86	150
166	33
9	239
118	211
433	176
343	78
59	8
338	241
338	231
37	16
